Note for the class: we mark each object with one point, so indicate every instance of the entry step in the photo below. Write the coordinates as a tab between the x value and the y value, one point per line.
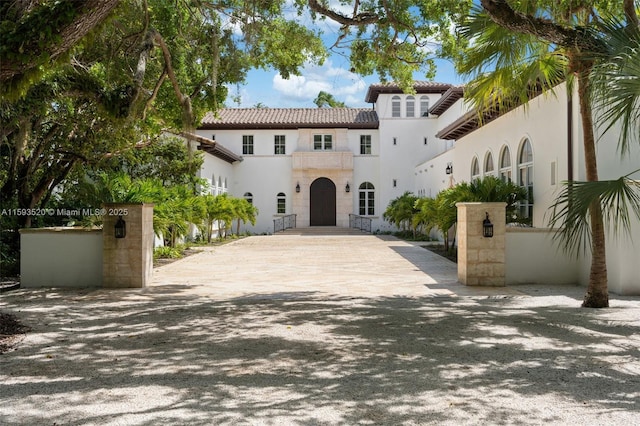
322	230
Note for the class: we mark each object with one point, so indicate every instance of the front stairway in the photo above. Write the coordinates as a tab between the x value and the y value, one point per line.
322	230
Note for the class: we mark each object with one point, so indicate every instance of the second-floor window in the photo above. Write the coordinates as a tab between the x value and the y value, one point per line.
411	106
424	106
365	144
279	147
247	144
395	106
322	142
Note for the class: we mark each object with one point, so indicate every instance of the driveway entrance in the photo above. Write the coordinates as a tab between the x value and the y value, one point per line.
362	265
323	203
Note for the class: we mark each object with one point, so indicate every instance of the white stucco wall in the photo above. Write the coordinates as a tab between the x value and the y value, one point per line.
431	176
398	160
544	123
60	257
532	257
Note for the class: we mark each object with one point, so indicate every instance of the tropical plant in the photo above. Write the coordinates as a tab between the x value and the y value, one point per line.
400	211
425	215
618	200
490	189
244	212
441	212
174	214
218	209
325	99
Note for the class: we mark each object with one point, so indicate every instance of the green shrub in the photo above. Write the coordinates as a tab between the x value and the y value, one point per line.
168	252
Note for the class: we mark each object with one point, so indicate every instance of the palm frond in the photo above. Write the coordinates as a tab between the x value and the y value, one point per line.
507	68
618	200
616	82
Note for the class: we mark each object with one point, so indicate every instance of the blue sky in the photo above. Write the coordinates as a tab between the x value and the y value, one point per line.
270	89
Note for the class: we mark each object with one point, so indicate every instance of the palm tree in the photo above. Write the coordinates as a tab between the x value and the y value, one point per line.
615	93
491	189
400	211
532	52
217	209
244	212
441	212
325	99
426	214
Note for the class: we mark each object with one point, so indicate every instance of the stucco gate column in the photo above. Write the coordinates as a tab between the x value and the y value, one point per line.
481	260
127	262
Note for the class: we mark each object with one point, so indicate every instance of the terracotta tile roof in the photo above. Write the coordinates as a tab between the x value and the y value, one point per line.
212	147
447	99
419	86
290	118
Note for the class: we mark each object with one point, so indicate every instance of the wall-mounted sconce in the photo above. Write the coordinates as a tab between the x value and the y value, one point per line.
487	227
449	168
120	228
347	188
298	187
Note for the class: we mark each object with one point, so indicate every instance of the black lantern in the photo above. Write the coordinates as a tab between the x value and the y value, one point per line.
487	227
449	168
298	187
121	228
347	188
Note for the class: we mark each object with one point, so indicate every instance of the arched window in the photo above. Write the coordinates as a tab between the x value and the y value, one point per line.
424	106
525	177
411	106
488	164
249	197
213	185
505	164
395	106
366	192
225	188
281	203
475	169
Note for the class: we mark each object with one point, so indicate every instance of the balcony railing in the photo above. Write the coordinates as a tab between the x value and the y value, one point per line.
360	222
284	222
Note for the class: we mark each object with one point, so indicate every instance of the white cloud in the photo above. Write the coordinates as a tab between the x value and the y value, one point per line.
341	83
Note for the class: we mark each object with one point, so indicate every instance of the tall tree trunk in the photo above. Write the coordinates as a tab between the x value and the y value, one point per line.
597	295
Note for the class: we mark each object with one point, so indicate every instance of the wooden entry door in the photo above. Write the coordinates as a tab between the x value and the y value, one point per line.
323	203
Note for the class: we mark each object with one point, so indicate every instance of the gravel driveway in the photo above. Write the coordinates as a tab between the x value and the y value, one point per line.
235	336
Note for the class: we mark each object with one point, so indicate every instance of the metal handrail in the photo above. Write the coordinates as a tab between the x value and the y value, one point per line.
284	222
360	222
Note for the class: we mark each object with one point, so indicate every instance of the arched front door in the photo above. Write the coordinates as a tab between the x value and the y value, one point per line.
323	203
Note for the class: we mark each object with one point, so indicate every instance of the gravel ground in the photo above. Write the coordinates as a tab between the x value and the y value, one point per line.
166	356
295	330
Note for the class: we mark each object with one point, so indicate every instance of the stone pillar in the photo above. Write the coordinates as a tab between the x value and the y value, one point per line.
127	262
481	261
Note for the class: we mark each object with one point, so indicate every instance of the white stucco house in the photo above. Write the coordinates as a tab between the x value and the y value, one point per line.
323	164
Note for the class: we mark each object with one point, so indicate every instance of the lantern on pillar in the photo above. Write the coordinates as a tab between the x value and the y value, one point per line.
487	227
120	228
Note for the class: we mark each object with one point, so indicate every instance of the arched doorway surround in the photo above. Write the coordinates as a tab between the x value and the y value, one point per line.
322	203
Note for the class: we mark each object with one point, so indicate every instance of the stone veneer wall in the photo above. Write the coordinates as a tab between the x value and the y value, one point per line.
481	261
128	262
309	166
